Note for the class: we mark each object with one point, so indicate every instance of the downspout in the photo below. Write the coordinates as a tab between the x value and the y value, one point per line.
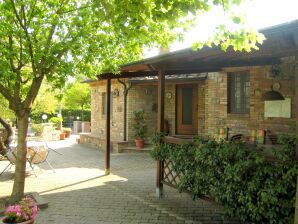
126	89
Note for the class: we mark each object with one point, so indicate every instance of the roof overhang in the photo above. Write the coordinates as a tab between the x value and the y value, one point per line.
281	41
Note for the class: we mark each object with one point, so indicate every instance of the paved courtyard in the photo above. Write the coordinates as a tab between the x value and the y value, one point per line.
78	192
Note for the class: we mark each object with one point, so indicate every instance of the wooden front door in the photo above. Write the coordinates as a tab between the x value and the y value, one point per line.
187	109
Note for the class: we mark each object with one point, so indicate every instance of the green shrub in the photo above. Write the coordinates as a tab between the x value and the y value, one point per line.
37	129
56	120
235	175
69	116
140	126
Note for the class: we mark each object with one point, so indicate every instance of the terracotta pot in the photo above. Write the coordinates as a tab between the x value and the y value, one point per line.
139	143
62	136
31	221
67	134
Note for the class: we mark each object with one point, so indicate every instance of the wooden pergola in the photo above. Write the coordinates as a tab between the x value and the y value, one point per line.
281	41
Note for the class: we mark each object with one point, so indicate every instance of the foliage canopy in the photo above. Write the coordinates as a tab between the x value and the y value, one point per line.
54	39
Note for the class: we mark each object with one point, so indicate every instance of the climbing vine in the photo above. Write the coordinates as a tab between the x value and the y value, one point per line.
234	174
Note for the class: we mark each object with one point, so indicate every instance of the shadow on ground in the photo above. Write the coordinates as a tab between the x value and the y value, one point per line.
79	192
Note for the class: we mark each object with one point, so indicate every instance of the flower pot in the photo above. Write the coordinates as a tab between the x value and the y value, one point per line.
2	221
62	136
67	134
139	143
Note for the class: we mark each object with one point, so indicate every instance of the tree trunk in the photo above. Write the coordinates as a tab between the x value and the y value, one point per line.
20	166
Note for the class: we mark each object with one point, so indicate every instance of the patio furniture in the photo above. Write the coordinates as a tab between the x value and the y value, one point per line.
37	153
11	157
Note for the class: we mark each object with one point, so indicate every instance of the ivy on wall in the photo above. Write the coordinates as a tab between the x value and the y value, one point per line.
249	187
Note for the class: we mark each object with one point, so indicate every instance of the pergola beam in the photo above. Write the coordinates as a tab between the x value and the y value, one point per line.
139	74
189	67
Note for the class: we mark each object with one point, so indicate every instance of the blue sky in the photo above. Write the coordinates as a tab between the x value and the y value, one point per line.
259	14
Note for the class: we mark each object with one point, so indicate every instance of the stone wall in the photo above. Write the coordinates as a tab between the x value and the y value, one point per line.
98	91
95	108
261	80
201	108
212	104
142	97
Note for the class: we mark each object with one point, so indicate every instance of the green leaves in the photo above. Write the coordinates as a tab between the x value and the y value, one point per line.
248	186
55	39
140	126
77	96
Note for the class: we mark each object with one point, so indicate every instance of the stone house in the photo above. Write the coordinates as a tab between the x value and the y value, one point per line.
224	96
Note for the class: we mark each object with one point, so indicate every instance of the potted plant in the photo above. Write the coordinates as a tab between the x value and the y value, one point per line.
24	212
140	128
67	132
62	136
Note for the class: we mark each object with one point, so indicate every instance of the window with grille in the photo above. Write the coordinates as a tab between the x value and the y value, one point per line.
238	93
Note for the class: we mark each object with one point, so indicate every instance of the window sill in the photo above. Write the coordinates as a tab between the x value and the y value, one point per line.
239	115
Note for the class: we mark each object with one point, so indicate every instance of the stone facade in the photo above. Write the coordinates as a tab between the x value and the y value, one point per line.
261	81
212	105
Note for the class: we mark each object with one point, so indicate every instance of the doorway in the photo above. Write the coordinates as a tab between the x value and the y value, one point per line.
187	109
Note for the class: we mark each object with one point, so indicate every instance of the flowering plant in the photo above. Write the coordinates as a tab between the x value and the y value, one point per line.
24	211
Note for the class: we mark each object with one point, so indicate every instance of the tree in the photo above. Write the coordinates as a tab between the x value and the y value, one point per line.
5	112
77	97
53	39
46	101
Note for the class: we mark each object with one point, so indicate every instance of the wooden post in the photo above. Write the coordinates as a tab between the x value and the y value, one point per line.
296	116
108	127
160	128
296	106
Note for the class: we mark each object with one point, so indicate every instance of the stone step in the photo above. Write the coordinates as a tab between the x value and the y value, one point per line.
134	149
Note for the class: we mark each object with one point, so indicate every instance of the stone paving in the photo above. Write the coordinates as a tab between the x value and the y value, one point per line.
78	192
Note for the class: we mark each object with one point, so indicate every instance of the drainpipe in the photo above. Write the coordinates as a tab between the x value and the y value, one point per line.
126	88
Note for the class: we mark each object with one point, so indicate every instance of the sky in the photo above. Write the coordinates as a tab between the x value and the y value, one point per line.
259	14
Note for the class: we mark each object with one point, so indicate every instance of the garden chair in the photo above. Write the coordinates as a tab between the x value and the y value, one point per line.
11	157
38	153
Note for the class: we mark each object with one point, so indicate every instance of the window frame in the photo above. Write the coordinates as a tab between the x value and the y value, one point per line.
104	103
244	98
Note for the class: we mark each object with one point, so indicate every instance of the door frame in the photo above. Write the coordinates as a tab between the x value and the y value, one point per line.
187	130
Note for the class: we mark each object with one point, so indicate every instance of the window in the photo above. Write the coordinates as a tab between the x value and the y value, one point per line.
104	103
238	90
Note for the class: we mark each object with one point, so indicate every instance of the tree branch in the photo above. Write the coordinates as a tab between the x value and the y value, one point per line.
7	94
10	40
32	12
223	6
20	64
8	128
33	91
4	143
50	37
27	36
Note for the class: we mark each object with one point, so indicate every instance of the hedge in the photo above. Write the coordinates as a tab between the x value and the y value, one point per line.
68	116
249	186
